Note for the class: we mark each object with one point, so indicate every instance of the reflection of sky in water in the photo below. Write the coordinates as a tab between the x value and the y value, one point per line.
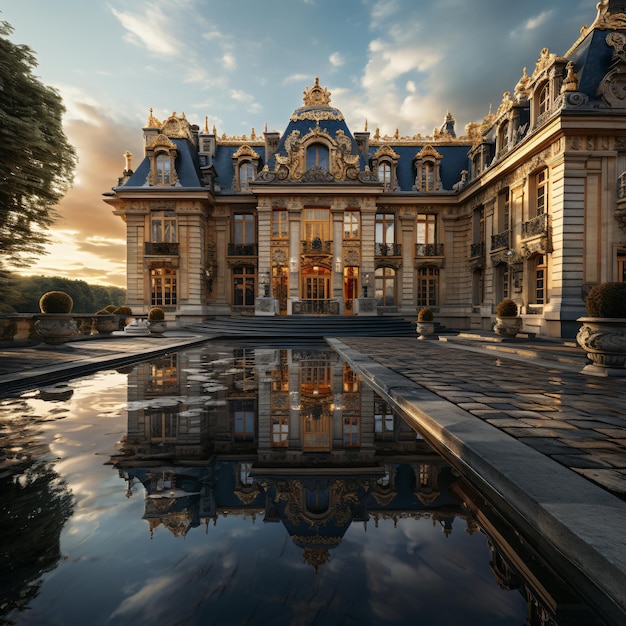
240	571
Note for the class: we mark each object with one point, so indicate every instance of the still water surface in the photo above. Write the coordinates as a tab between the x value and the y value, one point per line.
225	485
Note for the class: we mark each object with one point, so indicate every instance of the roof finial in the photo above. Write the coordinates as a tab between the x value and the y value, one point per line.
365	129
206	124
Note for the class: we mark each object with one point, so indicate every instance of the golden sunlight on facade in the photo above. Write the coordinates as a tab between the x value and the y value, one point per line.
528	204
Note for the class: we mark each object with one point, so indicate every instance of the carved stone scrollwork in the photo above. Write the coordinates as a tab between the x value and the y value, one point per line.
620	215
612	89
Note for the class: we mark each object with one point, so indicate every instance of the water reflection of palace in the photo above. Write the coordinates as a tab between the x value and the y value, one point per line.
292	437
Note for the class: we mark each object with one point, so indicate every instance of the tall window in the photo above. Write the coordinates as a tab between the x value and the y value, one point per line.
385	228
503	136
426	229
503	278
544	99
541	193
383	421
163	165
280	224
316	224
385	285
351	432
317	156
246	174
163	226
280	430
352	225
163	286
163	425
384	175
427	286
244	229
478	288
540	277
504	210
244	280
428	176
243	414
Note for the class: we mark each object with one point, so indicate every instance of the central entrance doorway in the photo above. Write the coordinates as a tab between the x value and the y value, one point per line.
350	288
315	290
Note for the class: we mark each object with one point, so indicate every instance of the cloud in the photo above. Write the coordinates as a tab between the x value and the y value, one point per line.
533	23
150	29
241	96
336	59
229	61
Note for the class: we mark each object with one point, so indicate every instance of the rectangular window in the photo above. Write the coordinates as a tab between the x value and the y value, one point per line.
352	225
244	286
427	286
245	232
163	425
541	193
351	432
540	280
426	229
504	211
385	228
280	224
163	227
316	224
163	286
244	417
280	431
383	421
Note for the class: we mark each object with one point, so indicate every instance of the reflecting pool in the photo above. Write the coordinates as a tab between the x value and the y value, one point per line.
246	485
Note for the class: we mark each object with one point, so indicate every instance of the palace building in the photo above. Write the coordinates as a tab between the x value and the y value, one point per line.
527	204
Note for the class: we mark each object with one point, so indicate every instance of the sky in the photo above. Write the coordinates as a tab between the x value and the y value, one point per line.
395	63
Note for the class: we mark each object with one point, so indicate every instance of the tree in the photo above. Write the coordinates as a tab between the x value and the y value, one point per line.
37	162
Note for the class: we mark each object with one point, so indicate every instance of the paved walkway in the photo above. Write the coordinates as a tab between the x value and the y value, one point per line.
547	442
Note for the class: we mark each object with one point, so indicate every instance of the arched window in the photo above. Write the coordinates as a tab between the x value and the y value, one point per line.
503	137
246	175
385	286
317	156
163	166
544	99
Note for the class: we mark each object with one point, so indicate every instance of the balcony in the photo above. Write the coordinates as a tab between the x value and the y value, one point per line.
316	246
160	248
428	249
477	250
388	249
500	240
536	227
242	249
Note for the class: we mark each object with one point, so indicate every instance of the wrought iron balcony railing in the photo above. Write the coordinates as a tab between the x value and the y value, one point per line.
160	248
477	249
428	249
500	240
388	249
537	226
316	246
242	249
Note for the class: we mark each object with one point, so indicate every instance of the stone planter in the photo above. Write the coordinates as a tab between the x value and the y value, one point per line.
55	328
425	330
508	326
604	341
157	327
106	324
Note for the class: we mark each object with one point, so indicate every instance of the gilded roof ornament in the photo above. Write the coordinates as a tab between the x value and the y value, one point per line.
571	81
206	125
544	61
316	96
245	150
428	151
386	151
153	122
522	91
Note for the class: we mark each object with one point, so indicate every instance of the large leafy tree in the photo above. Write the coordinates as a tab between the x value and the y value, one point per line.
37	162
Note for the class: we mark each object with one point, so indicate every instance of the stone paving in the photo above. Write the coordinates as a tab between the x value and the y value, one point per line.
576	419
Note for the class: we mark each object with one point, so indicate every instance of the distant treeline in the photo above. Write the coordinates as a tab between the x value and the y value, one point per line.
22	293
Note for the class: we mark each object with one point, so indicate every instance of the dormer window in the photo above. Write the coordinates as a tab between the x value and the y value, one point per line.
162	153
317	156
163	169
246	166
503	137
246	174
385	164
544	99
427	170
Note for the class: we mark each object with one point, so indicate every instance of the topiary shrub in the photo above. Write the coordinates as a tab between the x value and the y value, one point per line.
506	308
123	310
425	315
56	302
156	314
607	300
